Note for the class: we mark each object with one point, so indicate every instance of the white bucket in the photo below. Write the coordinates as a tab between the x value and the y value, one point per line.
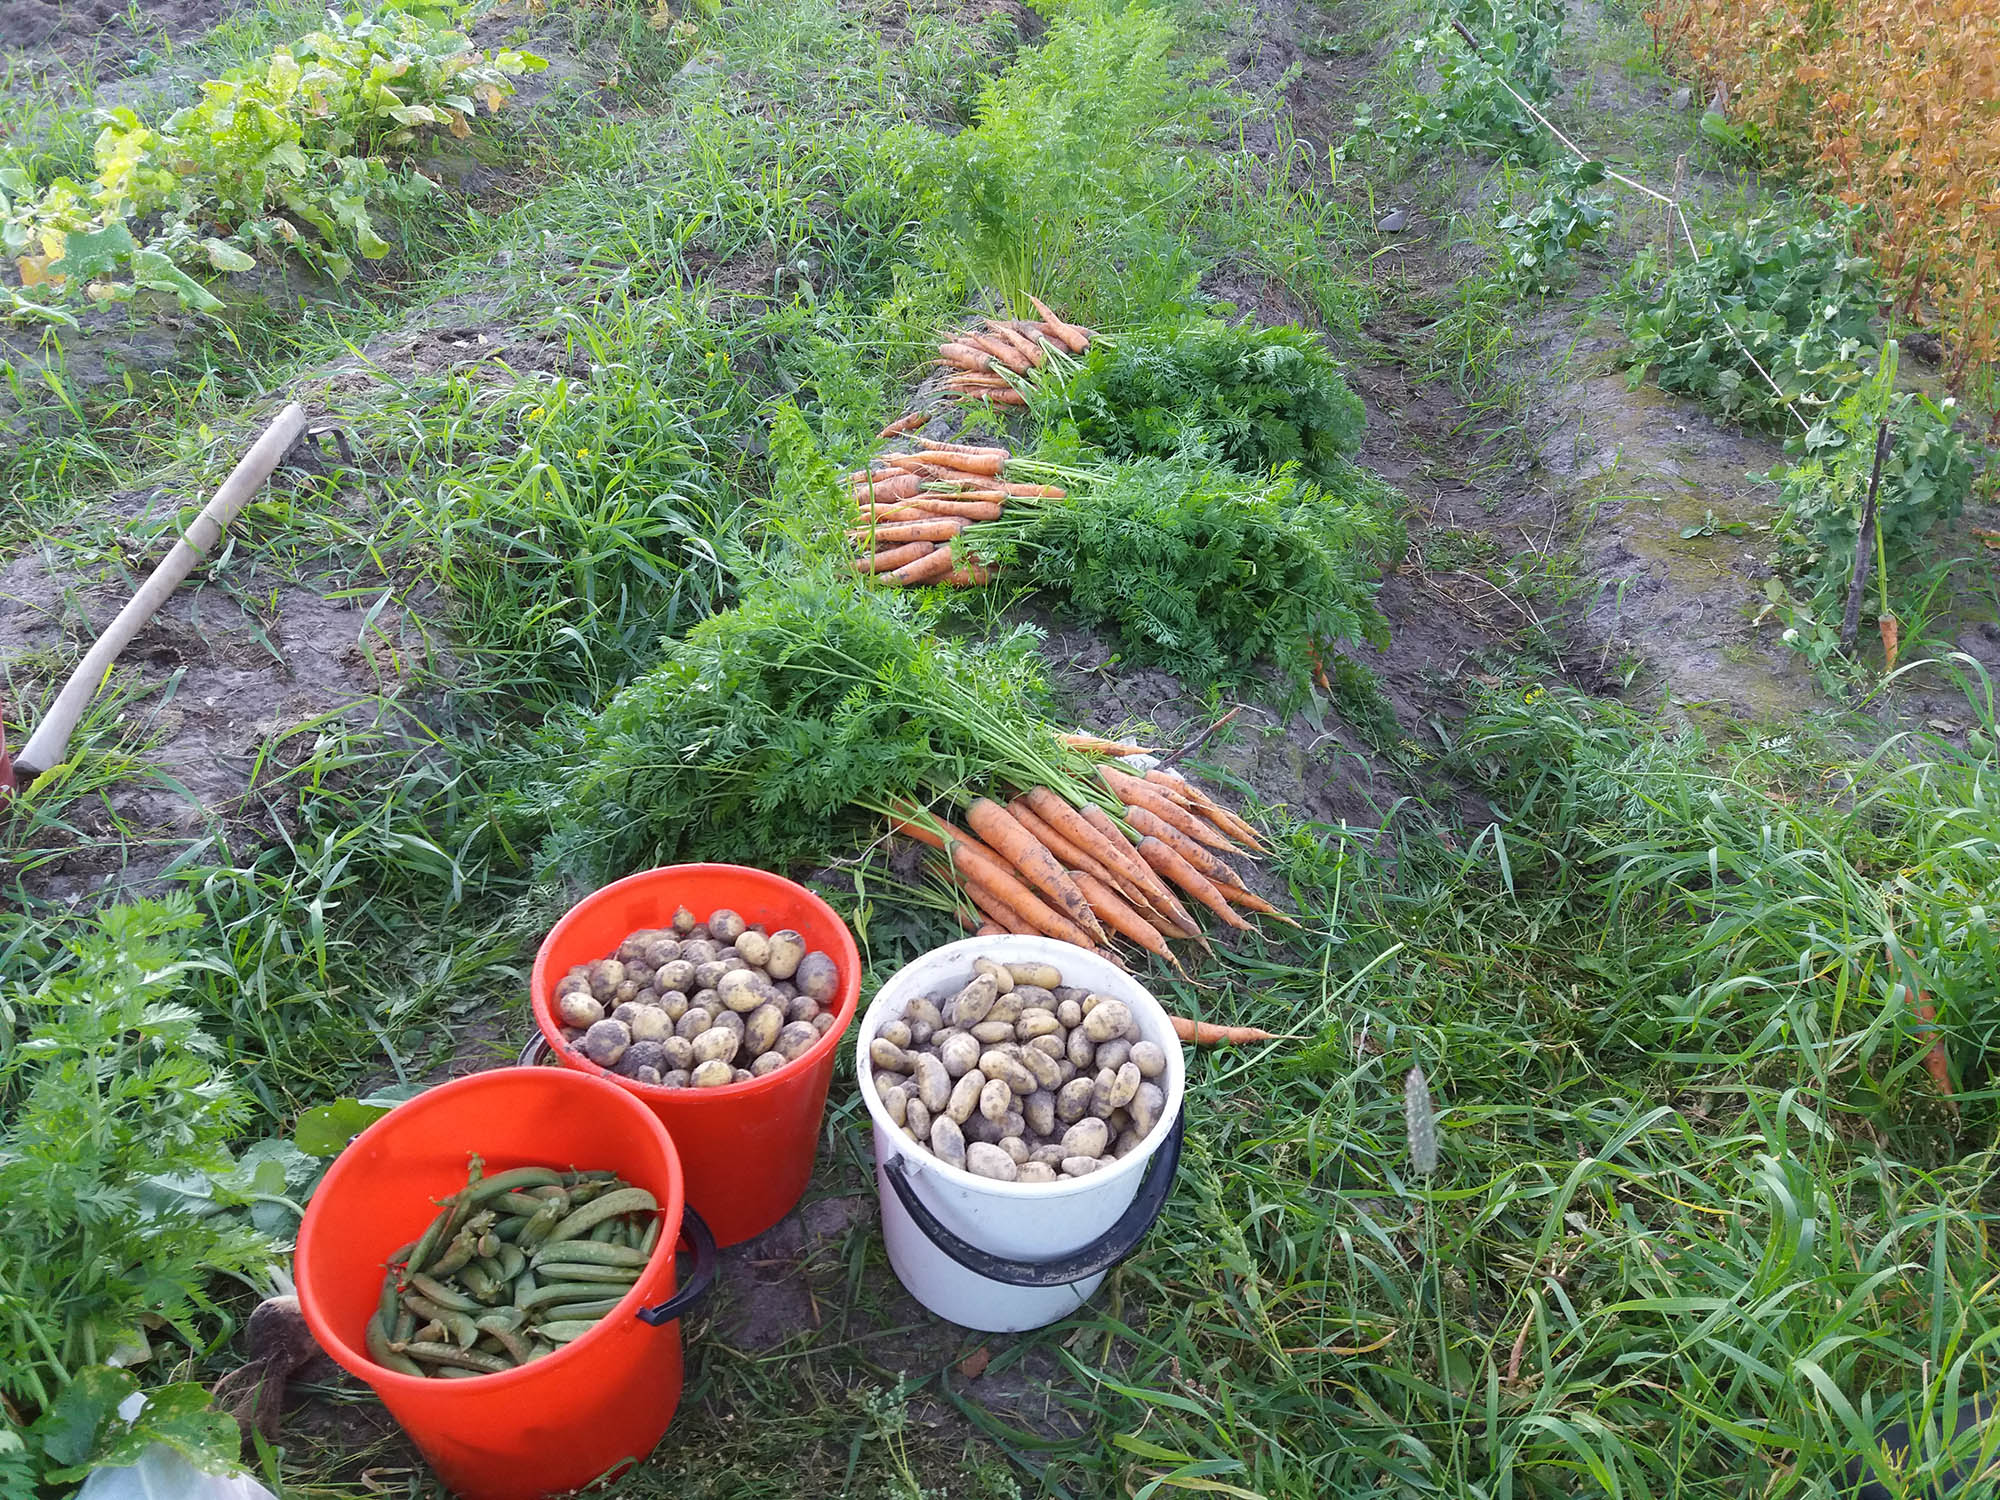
1021	1232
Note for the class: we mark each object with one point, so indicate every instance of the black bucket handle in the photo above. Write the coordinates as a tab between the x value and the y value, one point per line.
701	1244
1099	1256
533	1051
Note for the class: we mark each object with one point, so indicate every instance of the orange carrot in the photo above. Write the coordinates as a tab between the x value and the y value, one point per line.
1111	845
1004	834
1067	334
969	380
990	929
936	529
1144	820
985	464
998	398
982	450
1207	1033
1235	895
1168	863
927	569
1036	491
1066	850
894	557
974	575
1121	918
897	486
1097	744
1199	801
1133	792
955	489
998	349
987	870
1012	337
998	913
965	356
1936	1062
936	505
904	424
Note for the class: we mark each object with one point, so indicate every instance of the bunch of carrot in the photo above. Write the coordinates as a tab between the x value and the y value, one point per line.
1040	865
911	505
1017	347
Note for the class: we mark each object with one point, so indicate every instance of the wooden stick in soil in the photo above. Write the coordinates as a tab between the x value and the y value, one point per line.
1002	832
1134	792
50	741
1122	919
892	558
1163	859
1864	545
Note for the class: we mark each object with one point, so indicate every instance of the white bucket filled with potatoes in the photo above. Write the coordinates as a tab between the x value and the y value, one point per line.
1026	1178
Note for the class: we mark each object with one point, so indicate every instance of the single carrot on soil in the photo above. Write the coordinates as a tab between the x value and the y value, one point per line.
1208	1034
904	424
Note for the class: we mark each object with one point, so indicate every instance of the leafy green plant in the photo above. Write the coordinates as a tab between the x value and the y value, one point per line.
1792	294
285	154
1208	574
107	1086
1471	110
82	1430
1253	397
1538	244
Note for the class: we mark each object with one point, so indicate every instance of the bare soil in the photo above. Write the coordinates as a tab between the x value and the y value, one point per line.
112	36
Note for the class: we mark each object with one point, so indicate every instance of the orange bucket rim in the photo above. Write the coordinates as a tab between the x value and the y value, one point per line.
356	1361
540	988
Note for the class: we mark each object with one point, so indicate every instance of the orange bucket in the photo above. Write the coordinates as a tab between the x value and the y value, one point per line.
592	1408
746	1148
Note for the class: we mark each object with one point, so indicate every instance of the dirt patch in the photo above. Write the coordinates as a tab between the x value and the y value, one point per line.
113	36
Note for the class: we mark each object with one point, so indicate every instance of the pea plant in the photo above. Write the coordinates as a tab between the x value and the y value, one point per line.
1471	109
1539	244
288	154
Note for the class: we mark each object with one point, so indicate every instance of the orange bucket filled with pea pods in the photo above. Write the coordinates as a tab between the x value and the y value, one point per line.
746	1147
582	1412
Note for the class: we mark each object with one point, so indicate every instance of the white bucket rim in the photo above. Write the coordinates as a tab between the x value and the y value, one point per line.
1012	948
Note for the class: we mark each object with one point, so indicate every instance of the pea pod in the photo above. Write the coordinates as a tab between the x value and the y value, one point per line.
456	1255
484	1284
444	1296
543	1224
512	1262
427	1242
561	1291
566	1330
514	1179
464	1359
524	1287
650	1238
508	1339
389	1304
567	1271
384	1354
452	1372
581	1221
405	1325
592	1309
458	1324
590	1253
517	1205
607	1232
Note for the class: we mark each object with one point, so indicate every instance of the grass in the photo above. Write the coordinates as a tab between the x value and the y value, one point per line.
1699	1223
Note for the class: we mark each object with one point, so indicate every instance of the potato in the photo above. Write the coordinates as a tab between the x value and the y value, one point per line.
1050	1156
1035	1171
642	1054
995	1099
964	1096
1127	1142
1120	1087
683	921
730	1021
796	1039
676	975
605	1043
753	948
1148	1104
970	1005
680	1078
1034	997
712	1074
959	1054
1082	1050
801	1008
1005	1008
819	976
694	1021
647	1023
647	1075
1112	1054
1150	1058
675	1004
997	1064
1039	1110
579	1008
718	1044
983	1160
924	1020
679	1051
787	951
823	1022
743	990
709	976
699	951
917	1120
761	1028
1003	979
626	991
708	1000
895	1099
577	980
1037	1022
605	977
1039	1063
1073	1099
1016	1149
1047	976
991	1031
1069	1013
947	1141
1079	1166
1087	1138
767	1062
1107	1019
726	925
890	1058
664	949
896	1032
932	1083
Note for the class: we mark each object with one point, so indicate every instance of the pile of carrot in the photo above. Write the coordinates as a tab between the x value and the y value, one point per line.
982	361
910	506
1042	866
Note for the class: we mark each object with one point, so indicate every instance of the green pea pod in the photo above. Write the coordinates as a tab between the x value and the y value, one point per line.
518	1205
567	1330
561	1291
390	1300
427	1243
543	1224
432	1332
651	1237
510	1226
380	1350
457	1254
401	1254
595	1175
524	1287
488	1246
406	1324
597	1308
452	1372
508	1339
550	1191
590	1253
464	1359
585	1192
624	1201
557	1270
458	1324
514	1179
445	1296
607	1232
512	1262
484	1285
